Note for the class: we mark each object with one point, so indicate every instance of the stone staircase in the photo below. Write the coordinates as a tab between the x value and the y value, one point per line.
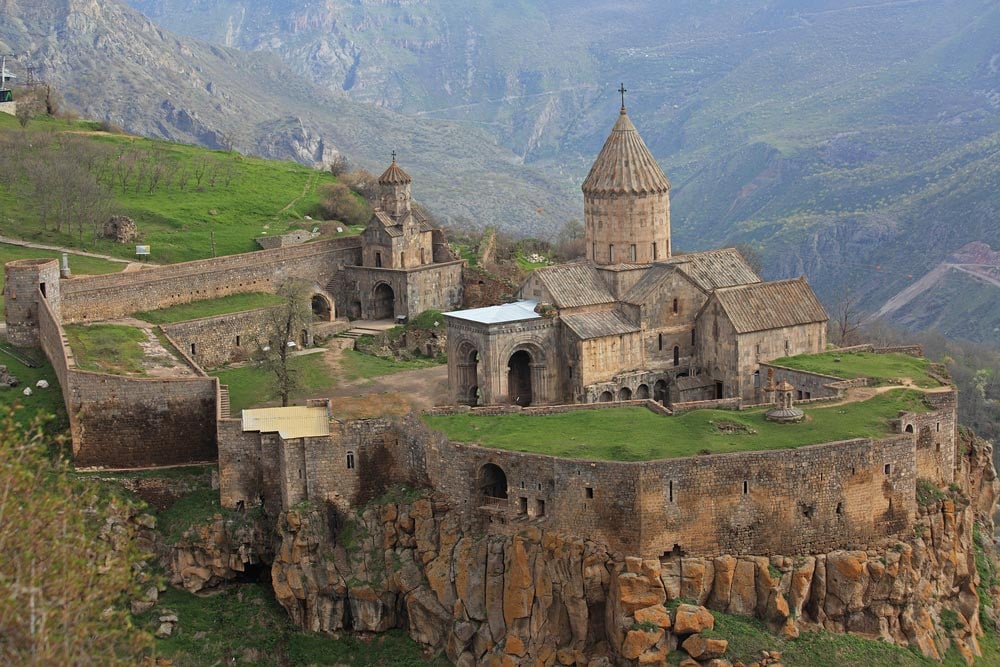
224	401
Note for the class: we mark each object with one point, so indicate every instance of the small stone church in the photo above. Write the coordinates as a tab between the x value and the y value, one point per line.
632	320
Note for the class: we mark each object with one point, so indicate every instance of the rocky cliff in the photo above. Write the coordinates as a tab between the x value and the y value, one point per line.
494	594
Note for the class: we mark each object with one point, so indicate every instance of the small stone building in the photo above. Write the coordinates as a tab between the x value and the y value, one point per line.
632	321
406	264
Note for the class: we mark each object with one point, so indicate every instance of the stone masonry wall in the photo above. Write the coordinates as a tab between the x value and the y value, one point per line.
221	339
116	295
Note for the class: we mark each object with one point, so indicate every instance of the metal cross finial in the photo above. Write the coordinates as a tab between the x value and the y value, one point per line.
623	90
394	156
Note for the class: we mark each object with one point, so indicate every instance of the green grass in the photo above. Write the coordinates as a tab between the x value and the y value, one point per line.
42	401
884	368
233	303
107	348
245	625
78	264
195	508
636	434
357	365
251	385
748	637
179	223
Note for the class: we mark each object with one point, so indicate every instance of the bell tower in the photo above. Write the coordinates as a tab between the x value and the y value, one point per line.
394	189
626	200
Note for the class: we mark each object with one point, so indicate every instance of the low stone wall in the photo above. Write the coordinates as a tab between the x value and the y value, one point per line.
717	404
221	339
545	409
813	385
285	240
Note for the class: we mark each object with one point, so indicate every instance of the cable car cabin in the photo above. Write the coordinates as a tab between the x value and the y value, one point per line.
6	96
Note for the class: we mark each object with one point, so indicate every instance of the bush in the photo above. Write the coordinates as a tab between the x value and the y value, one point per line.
339	202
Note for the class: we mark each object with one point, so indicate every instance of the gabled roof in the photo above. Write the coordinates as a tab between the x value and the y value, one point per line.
713	269
771	305
574	284
387	223
625	165
507	312
598	325
650	281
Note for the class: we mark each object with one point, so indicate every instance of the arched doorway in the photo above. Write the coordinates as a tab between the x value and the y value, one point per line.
660	392
468	374
606	397
625	394
492	484
383	302
519	378
641	392
321	308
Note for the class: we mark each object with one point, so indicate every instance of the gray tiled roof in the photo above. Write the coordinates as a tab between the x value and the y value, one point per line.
597	325
625	165
575	284
763	306
715	268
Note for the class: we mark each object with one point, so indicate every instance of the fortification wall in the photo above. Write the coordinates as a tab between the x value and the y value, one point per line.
936	433
50	339
223	338
116	295
831	496
812	385
136	422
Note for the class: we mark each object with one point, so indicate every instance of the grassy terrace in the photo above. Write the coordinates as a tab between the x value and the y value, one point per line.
233	303
107	348
883	368
636	434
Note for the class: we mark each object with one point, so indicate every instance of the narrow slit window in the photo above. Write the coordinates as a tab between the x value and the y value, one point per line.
350	460
632	253
660	336
192	349
611	253
237	341
676	307
677	356
887	468
654	250
589	492
670	490
746	487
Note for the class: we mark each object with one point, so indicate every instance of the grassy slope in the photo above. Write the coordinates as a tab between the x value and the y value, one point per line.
261	197
636	434
233	303
45	401
245	625
106	348
884	368
356	365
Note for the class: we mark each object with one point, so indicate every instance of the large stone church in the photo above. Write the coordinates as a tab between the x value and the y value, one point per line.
632	320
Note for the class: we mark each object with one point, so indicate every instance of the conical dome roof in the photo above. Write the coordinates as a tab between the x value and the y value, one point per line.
394	175
625	165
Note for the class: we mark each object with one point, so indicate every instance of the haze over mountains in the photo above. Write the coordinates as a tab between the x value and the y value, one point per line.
855	141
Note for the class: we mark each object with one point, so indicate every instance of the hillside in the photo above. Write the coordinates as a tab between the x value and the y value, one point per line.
183	198
836	136
112	63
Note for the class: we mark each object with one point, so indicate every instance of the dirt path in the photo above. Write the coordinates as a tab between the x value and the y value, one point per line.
305	190
130	265
858	394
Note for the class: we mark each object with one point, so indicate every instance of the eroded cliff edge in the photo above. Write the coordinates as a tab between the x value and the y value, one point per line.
519	594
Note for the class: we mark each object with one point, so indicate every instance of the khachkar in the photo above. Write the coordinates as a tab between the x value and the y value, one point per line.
626	200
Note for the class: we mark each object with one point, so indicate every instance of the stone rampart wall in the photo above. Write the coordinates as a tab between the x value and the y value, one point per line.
116	295
221	339
717	404
50	338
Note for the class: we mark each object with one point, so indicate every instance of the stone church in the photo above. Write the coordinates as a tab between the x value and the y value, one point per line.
632	320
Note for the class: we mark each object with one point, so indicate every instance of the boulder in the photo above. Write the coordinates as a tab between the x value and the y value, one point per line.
689	619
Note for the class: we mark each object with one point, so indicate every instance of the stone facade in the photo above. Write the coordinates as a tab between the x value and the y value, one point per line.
840	495
134	422
632	320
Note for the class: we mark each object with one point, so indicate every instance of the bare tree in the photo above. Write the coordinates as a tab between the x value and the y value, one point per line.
339	165
846	321
285	322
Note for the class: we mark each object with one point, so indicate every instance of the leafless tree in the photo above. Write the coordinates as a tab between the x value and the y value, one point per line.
846	322
284	324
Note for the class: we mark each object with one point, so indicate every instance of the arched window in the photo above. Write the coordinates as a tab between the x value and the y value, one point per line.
350	460
692	336
677	356
632	253
611	253
660	337
676	307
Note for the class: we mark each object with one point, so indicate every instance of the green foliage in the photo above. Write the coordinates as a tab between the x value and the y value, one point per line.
178	195
986	568
193	509
68	559
232	303
42	402
928	493
950	620
645	626
249	385
432	320
357	365
636	434
107	348
883	368
339	202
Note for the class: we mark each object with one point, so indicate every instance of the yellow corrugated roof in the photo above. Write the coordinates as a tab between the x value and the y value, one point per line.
296	421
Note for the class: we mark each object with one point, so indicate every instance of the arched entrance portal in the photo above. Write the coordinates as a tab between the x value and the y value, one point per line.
383	302
519	378
322	310
642	392
625	394
606	397
660	392
468	374
492	485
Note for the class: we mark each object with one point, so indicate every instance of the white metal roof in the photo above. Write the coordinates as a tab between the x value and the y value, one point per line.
295	421
508	312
